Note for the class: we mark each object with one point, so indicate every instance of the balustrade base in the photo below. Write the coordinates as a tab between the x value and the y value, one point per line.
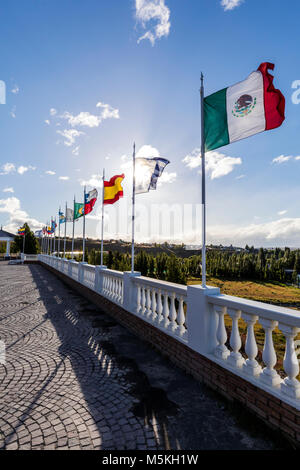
290	388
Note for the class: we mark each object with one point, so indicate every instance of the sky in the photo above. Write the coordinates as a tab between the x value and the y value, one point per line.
85	79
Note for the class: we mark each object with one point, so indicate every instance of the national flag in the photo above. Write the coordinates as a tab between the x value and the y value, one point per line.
49	230
53	226
62	218
38	233
90	199
147	172
69	215
78	210
244	109
113	189
21	231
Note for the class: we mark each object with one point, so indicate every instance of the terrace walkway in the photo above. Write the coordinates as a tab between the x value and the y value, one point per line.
75	379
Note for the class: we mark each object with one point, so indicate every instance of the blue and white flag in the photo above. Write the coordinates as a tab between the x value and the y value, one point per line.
147	172
38	233
62	218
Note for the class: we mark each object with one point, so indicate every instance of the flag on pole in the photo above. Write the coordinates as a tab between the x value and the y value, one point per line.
78	210
113	189
69	215
244	109
38	233
62	218
90	199
147	172
53	225
21	231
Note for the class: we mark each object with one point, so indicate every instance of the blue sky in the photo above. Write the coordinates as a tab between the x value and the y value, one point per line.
87	78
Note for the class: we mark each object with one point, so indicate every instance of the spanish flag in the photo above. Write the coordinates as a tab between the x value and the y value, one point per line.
113	189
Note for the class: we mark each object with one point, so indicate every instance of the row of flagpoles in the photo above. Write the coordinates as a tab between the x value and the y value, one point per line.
146	172
251	106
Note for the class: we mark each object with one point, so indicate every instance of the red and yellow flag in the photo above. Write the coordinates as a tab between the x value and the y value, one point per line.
113	189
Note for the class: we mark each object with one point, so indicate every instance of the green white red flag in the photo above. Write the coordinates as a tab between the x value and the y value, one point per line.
244	109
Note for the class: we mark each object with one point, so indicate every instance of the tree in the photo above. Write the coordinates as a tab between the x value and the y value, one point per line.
31	243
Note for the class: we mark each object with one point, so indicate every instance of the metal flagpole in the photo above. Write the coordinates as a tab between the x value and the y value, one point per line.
65	233
58	248
83	236
51	237
133	208
54	234
24	242
102	227
203	186
73	228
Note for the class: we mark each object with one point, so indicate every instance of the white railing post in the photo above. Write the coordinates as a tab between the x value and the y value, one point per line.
251	366
235	357
221	350
100	272
130	291
290	386
269	374
201	318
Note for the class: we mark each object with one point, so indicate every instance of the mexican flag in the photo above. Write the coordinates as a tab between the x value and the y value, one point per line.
243	109
78	210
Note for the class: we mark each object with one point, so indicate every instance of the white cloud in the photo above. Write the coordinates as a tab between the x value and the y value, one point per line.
13	112
22	169
282	159
75	151
50	172
53	112
95	180
108	112
149	12
167	177
47	122
8	190
64	178
230	4
17	216
70	136
282	212
82	119
8	168
15	89
216	164
281	232
240	177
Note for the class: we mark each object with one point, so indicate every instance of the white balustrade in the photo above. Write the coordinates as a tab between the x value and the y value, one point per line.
196	317
162	304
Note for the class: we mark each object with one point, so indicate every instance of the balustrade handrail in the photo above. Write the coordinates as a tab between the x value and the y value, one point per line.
159	284
283	315
113	272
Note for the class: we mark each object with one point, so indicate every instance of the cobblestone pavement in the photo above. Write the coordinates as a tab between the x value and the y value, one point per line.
75	379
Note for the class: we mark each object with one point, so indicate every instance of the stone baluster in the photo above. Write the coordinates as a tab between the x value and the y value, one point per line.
269	374
173	313
143	309
290	386
138	300
221	350
159	308
148	302
235	358
251	366
181	317
153	305
166	310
